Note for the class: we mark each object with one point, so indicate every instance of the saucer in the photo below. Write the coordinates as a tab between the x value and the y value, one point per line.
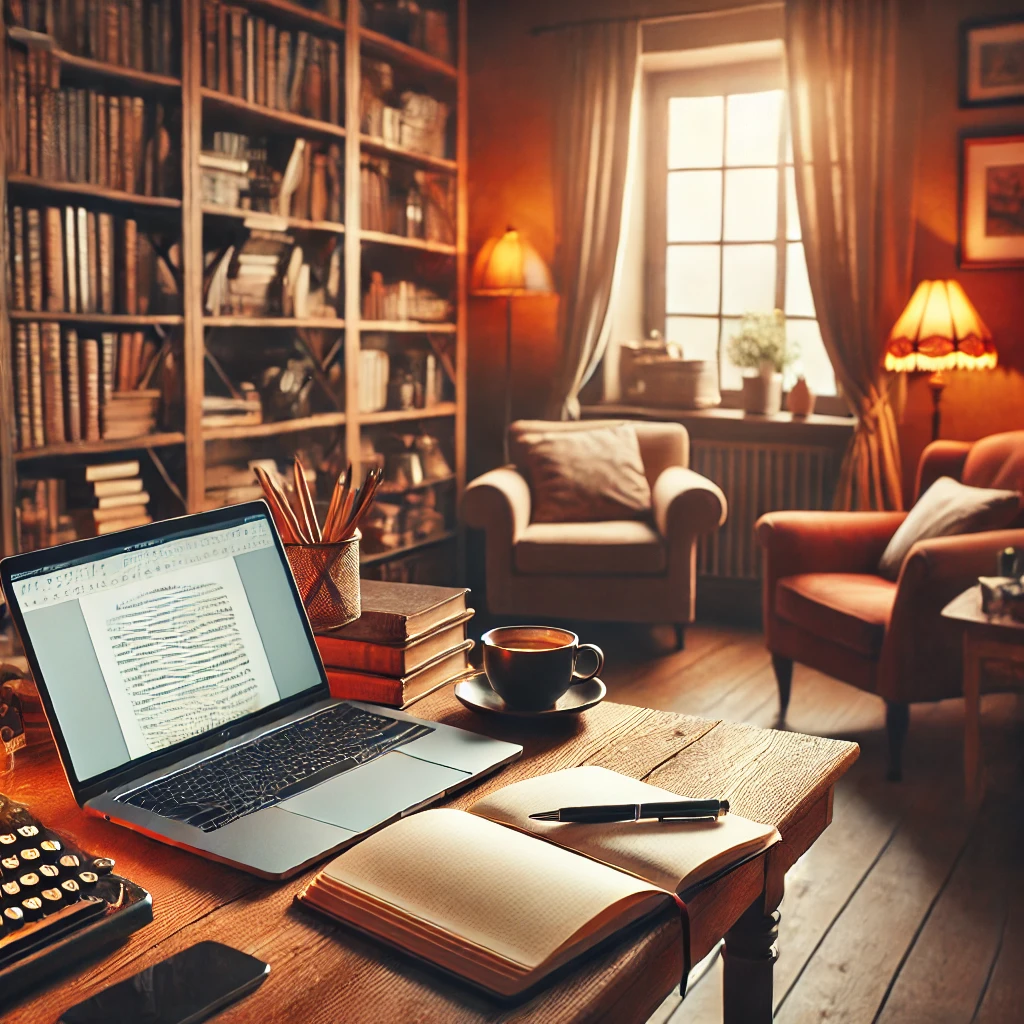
476	694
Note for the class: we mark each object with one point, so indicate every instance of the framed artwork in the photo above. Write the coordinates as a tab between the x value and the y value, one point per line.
992	201
992	62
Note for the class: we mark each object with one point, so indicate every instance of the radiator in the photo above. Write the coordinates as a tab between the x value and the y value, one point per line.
758	478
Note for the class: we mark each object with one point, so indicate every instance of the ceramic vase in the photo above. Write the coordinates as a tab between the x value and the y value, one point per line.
801	399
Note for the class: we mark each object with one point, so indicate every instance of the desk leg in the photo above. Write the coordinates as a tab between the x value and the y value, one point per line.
972	727
751	949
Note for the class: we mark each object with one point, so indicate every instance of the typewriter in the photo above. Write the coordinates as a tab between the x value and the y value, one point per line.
58	904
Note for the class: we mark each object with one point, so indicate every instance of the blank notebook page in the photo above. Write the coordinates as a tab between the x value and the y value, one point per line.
674	855
490	885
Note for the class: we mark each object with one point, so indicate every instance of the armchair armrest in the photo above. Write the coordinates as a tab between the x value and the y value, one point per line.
940	458
686	503
498	502
799	542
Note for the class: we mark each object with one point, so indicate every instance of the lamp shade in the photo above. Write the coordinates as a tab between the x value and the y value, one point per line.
939	330
508	265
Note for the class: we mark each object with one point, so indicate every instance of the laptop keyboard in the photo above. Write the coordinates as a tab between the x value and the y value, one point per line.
272	767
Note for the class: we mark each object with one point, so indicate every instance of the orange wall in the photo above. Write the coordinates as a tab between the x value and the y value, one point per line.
512	97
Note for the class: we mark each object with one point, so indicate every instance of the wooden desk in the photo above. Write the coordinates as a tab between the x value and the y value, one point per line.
986	638
323	973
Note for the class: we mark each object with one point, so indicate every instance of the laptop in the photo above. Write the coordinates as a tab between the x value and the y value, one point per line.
188	701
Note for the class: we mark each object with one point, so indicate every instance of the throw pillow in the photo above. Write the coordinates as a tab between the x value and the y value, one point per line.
581	476
948	508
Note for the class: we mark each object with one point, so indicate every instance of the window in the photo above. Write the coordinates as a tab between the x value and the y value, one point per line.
723	223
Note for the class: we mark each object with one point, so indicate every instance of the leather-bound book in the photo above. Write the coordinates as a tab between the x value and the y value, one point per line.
284	69
112	31
54	261
105	259
271	85
124	36
82	140
50	86
335	196
35	379
19	296
127	145
108	365
83	247
34	57
318	188
138	122
88	27
19	65
23	386
210	43
333	82
102	143
114	135
72	388
89	365
313	82
91	232
146	273
70	261
250	59
135	358
63	139
130	267
74	156
399	612
236	16
53	398
92	130
298	73
167	63
223	50
136	55
260	62
34	259
124	356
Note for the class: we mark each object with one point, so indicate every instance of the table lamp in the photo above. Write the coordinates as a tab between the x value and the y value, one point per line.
506	267
939	330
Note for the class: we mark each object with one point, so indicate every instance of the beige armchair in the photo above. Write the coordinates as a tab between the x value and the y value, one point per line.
618	571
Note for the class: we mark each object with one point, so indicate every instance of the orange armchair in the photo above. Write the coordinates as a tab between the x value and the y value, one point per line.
825	605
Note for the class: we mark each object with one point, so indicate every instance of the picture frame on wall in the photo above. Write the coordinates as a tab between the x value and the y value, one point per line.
992	201
992	62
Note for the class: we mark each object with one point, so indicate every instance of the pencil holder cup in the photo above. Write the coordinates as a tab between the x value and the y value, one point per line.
327	576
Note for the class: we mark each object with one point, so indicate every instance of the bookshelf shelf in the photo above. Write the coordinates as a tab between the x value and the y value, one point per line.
382	148
380	45
406	327
98	447
425	485
297	123
77	188
433	412
316	422
310	322
113	319
274	221
386	556
117	73
296	14
399	241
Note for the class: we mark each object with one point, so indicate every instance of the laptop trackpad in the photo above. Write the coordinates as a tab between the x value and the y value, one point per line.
375	791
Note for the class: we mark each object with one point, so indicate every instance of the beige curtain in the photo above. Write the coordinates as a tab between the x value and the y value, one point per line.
854	101
592	150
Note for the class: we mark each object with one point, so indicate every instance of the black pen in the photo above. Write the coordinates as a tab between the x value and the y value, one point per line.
665	810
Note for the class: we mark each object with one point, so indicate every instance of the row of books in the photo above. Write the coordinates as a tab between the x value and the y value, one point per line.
72	388
419	386
403	300
422	207
91	500
408	642
136	34
412	120
73	260
248	57
425	28
87	136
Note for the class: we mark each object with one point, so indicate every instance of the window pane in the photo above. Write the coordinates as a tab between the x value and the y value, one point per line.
695	126
694	206
792	209
799	301
748	285
730	377
754	121
697	334
812	362
751	205
691	279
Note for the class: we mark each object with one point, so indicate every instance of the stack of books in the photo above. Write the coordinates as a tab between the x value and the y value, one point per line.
107	497
409	641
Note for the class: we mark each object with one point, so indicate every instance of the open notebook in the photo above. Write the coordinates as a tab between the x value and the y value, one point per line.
502	901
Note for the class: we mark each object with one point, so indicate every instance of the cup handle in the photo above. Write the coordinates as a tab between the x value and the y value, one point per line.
598	653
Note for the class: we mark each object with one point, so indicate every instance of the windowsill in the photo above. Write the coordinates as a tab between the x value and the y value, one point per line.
734	424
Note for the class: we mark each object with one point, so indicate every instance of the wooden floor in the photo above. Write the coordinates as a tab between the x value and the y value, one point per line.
908	909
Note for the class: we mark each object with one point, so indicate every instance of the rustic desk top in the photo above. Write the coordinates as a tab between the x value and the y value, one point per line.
321	972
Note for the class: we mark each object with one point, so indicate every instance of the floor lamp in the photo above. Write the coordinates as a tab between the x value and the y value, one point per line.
506	267
939	330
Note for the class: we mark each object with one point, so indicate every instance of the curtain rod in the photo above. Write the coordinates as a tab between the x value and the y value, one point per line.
558	26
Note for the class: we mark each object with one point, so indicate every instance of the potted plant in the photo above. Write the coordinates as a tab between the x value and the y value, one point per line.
759	347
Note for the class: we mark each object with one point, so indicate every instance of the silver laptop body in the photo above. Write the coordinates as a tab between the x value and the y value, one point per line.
178	673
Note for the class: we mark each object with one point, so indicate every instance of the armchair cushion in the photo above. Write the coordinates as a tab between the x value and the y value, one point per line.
624	547
851	609
948	508
586	475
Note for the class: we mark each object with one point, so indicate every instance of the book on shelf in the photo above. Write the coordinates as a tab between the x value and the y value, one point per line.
244	409
501	901
403	300
416	25
411	120
246	56
401	612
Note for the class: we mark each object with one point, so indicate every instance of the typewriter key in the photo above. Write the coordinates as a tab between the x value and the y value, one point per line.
10	863
8	839
29	879
14	917
32	853
50	846
28	831
70	886
11	888
88	878
49	870
33	907
103	865
69	860
52	895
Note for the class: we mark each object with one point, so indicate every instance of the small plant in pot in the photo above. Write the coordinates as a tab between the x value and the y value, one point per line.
759	348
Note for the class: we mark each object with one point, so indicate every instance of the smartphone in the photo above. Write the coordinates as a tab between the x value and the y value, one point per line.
183	989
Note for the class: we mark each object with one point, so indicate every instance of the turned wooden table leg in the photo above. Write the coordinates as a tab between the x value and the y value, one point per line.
751	949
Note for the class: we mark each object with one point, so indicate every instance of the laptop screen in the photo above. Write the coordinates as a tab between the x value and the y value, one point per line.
154	643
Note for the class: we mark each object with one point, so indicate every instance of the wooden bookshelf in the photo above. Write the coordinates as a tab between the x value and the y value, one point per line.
186	445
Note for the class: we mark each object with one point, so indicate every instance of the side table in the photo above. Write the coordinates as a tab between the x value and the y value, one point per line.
986	638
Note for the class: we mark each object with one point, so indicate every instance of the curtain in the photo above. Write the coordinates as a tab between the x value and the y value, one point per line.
854	93
594	126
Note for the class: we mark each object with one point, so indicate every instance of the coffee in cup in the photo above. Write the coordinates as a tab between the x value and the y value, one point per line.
530	667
